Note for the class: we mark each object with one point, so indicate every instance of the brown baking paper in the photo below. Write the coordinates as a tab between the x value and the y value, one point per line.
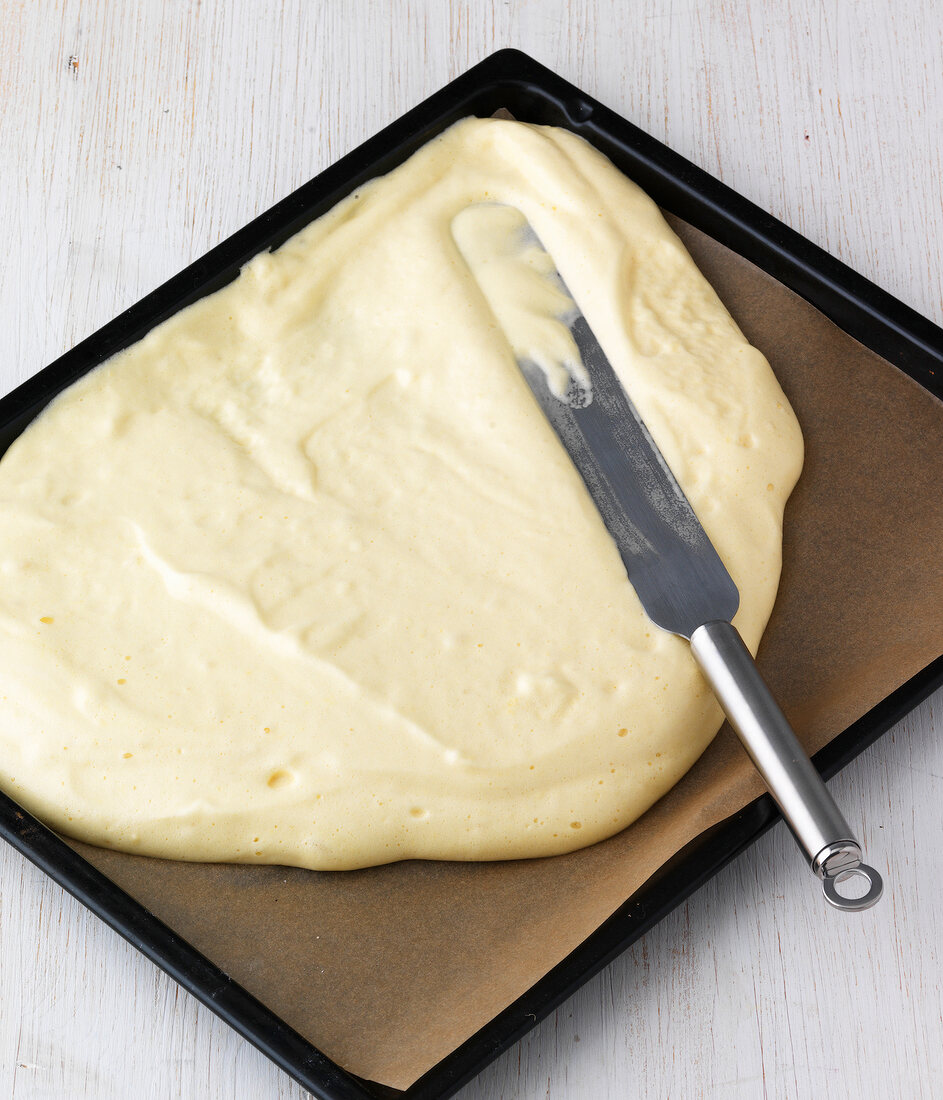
389	969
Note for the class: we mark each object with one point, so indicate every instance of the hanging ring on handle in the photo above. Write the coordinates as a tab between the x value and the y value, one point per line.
839	862
862	870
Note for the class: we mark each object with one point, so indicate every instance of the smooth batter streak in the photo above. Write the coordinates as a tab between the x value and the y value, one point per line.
304	577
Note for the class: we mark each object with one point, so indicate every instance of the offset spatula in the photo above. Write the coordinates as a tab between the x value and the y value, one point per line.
680	580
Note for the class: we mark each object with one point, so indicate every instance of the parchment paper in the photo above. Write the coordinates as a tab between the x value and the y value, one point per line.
389	969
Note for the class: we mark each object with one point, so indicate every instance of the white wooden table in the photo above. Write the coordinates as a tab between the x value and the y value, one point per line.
134	136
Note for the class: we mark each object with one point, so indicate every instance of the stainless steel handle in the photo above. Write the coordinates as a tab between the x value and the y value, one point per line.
810	811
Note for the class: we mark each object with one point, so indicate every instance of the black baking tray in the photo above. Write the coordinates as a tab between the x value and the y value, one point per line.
512	80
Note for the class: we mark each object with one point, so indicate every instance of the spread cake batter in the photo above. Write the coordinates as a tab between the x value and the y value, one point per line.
304	576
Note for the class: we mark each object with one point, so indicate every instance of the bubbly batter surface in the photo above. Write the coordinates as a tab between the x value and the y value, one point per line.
304	577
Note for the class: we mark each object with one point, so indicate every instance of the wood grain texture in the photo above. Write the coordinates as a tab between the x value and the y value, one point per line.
133	137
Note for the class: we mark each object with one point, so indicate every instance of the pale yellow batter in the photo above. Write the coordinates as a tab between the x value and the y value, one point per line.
304	577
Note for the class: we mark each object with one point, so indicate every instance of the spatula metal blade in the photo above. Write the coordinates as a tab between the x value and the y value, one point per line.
670	561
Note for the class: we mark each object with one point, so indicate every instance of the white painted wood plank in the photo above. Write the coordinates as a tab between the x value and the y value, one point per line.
175	124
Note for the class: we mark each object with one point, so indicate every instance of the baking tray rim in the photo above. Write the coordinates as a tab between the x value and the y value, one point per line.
508	78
